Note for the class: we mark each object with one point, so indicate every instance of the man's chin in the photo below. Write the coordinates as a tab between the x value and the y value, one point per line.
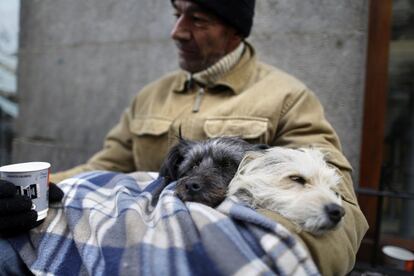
190	68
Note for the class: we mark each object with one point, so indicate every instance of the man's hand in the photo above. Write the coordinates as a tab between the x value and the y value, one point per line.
16	214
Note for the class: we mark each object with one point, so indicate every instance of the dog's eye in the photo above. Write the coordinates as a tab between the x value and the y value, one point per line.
298	179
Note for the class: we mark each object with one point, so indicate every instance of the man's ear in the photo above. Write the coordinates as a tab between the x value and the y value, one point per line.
234	39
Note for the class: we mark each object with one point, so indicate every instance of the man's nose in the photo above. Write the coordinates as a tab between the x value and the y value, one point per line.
181	30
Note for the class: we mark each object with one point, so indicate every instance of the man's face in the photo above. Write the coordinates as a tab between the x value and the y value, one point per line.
201	38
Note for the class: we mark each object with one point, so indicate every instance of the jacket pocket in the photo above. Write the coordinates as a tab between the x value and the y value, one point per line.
150	126
252	129
149	141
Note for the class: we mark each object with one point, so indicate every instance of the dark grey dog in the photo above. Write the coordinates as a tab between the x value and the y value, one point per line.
204	169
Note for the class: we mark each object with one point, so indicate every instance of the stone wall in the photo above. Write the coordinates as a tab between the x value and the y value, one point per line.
81	62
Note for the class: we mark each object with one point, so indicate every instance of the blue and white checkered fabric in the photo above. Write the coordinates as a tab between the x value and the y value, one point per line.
112	224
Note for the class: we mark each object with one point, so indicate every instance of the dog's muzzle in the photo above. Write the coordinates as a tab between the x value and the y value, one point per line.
200	189
188	189
334	212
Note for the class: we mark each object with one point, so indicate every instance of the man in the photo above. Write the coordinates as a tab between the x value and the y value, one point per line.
224	91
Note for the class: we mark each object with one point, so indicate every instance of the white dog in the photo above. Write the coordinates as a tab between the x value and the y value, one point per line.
297	183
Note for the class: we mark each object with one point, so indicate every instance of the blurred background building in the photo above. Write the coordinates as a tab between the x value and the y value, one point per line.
9	22
81	62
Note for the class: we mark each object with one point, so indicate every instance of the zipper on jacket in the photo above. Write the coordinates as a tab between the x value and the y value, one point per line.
199	97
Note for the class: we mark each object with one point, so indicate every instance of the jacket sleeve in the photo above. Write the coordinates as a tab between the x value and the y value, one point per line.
302	123
116	154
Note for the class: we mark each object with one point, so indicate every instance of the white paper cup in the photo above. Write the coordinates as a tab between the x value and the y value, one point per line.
32	178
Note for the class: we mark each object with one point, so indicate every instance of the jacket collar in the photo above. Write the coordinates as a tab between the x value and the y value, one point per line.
235	79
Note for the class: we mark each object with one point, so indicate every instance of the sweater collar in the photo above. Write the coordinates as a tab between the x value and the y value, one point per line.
209	76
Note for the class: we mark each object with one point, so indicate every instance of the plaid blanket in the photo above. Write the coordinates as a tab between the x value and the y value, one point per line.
119	224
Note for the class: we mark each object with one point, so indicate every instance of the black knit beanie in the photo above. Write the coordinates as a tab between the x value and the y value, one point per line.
237	13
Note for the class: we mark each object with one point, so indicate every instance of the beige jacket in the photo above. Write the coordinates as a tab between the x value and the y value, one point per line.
255	101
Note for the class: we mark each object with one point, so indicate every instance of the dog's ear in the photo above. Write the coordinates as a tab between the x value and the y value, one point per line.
175	156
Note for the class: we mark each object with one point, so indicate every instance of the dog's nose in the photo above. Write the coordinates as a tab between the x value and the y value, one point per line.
335	212
192	187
